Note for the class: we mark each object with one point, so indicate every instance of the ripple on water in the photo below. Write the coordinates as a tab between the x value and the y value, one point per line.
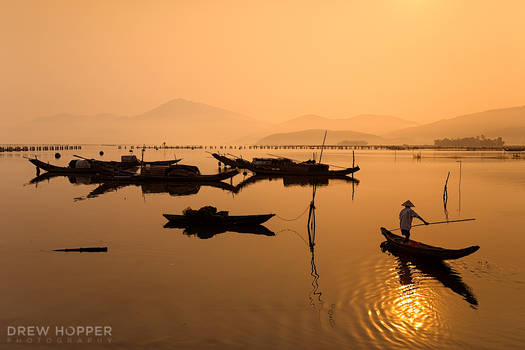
392	304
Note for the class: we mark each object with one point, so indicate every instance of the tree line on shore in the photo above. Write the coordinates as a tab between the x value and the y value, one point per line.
478	141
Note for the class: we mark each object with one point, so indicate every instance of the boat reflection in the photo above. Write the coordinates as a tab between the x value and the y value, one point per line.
147	187
436	269
208	231
302	181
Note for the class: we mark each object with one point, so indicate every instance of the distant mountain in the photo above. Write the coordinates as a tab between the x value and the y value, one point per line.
178	121
315	137
509	123
185	122
185	110
367	123
181	121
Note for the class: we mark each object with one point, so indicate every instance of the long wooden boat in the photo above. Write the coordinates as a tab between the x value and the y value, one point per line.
98	166
218	219
135	163
284	167
60	169
423	250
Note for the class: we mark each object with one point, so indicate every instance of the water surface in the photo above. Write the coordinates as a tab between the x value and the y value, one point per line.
164	288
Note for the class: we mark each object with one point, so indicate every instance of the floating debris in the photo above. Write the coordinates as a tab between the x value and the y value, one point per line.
84	250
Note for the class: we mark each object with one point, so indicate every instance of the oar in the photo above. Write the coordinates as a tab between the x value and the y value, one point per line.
438	222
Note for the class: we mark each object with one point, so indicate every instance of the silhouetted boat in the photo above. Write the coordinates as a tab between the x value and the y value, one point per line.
221	218
284	166
424	250
92	166
63	170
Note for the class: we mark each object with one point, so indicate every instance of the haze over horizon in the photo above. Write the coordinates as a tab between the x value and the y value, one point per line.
418	60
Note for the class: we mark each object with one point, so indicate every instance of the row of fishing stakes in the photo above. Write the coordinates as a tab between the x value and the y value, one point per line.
307	147
20	148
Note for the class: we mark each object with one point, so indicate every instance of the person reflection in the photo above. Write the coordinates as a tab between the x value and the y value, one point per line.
436	269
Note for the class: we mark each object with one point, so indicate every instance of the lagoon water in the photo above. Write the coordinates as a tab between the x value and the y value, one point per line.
162	288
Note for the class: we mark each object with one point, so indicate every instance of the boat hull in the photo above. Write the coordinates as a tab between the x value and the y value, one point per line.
62	170
422	250
230	220
98	166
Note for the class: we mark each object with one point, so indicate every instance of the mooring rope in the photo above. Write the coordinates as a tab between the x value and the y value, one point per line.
296	218
293	231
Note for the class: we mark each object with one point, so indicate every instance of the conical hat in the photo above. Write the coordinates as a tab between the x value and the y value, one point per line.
408	204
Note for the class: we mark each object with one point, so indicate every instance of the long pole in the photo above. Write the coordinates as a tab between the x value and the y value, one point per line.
439	222
324	139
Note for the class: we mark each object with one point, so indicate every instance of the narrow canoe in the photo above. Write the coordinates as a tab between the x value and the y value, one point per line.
424	250
60	169
203	220
97	166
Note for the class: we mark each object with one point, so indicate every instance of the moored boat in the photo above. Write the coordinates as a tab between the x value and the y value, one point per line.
424	250
93	166
210	216
63	170
284	167
178	172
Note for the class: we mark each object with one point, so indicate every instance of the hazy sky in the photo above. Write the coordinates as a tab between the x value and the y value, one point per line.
418	59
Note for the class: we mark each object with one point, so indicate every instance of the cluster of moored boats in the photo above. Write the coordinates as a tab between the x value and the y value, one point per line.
130	168
203	222
206	221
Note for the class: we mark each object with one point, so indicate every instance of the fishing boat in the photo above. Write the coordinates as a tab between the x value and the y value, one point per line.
423	250
288	167
92	166
210	216
177	172
88	169
281	166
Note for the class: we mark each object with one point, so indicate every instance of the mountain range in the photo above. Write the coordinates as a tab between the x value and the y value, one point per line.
181	121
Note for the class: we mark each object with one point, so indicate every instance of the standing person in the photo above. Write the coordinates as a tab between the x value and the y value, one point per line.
405	219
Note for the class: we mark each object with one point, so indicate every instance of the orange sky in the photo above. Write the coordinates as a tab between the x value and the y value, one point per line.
418	59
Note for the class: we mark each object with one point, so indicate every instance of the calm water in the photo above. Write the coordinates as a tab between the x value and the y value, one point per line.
161	288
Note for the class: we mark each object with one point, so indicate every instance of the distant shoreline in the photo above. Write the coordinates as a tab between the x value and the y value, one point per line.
6	148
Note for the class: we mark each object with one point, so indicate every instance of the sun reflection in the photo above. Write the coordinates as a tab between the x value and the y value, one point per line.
411	310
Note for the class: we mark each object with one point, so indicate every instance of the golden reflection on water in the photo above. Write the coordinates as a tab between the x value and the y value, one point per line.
403	306
407	313
411	310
